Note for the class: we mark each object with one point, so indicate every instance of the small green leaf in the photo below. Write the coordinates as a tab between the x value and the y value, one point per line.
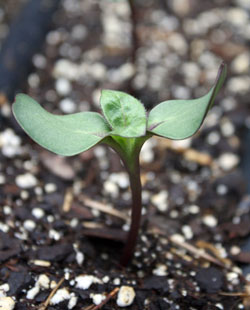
62	134
125	114
180	119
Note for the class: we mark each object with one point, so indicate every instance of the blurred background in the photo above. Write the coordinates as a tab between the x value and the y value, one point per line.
64	52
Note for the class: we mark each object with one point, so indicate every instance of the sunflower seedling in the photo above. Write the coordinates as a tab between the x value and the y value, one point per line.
124	126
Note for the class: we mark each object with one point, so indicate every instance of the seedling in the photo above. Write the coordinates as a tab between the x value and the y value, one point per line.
124	127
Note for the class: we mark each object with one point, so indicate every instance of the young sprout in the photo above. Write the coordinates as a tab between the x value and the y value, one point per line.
124	127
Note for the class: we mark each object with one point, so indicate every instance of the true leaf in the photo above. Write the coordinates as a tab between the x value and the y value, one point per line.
180	119
125	114
62	134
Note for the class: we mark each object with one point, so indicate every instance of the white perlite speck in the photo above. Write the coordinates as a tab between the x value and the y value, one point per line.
228	161
160	200
53	234
79	258
237	17
5	287
85	281
61	295
63	86
31	294
111	188
10	143
7	303
126	296
241	63
97	298
73	301
26	180
43	281
29	225
117	281
187	231
3	227
67	105
160	270
209	220
38	213
239	84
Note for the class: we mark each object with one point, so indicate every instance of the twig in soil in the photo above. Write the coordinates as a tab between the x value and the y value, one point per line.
245	295
93	225
109	296
240	294
103	208
197	252
68	198
200	158
46	303
206	245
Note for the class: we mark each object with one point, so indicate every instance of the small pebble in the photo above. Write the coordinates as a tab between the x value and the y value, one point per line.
7	303
126	296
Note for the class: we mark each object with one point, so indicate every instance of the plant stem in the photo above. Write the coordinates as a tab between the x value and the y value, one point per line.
129	150
135	185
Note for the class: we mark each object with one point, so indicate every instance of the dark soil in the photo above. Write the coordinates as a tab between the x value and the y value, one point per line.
196	215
